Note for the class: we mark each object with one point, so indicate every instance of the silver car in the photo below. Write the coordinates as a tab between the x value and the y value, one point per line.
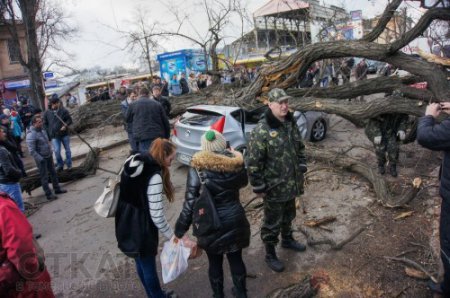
235	124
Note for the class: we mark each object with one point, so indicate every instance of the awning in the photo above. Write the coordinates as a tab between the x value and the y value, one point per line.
274	7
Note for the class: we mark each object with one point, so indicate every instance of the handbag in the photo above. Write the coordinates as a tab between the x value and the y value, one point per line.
106	204
205	218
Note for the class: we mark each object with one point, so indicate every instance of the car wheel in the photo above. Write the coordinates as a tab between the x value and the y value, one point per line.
318	130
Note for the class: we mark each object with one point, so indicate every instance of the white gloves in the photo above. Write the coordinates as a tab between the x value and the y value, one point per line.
377	140
401	135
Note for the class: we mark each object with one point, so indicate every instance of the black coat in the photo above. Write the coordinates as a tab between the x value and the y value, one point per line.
148	120
436	136
224	175
136	234
53	124
184	86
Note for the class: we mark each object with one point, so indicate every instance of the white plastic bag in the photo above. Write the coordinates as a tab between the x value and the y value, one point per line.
174	260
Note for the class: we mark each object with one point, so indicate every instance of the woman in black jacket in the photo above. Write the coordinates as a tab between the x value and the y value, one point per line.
222	172
140	210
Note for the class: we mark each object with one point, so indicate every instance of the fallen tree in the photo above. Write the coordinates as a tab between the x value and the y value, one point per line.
87	167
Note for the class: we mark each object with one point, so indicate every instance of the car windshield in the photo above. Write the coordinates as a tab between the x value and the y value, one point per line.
200	117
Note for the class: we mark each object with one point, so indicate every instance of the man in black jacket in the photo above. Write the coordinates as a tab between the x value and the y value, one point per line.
56	123
184	84
148	120
164	101
436	136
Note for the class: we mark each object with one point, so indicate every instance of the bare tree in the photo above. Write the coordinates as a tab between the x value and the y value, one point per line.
208	37
43	26
54	30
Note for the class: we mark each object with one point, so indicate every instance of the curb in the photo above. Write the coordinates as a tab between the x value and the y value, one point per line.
34	170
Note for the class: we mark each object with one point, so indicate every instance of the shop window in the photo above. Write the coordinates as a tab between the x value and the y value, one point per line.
14	51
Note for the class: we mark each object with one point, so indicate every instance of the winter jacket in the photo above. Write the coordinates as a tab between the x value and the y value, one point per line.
148	120
23	111
16	238
184	86
9	172
436	137
38	144
136	234
16	126
276	158
224	174
53	124
164	101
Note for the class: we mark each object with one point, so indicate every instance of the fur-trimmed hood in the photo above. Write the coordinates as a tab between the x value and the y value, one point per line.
225	162
273	122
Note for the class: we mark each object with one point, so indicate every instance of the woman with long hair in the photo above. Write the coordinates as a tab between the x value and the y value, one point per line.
223	173
140	210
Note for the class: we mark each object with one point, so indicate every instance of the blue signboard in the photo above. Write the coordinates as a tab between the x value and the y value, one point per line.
48	75
182	61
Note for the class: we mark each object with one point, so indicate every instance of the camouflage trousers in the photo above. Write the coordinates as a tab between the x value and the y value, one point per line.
278	216
390	146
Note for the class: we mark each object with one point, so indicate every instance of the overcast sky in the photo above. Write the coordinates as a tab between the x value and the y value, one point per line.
100	44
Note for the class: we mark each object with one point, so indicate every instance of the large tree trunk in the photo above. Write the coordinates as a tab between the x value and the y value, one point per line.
29	10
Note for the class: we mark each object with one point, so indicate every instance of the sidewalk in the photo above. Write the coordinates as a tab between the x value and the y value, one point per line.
103	138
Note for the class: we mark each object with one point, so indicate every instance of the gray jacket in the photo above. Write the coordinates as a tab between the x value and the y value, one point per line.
9	172
148	119
38	144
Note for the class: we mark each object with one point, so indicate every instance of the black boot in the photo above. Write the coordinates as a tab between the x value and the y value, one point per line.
381	169
217	287
272	259
290	243
239	289
393	170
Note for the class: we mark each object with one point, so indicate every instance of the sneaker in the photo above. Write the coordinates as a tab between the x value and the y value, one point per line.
60	191
381	169
59	169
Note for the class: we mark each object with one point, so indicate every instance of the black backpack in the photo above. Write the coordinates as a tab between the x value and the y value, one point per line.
205	219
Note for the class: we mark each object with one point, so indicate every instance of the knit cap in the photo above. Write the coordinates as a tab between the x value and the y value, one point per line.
212	140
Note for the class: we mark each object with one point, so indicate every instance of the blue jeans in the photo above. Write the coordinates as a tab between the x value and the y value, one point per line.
132	141
15	192
56	142
444	235
146	269
144	145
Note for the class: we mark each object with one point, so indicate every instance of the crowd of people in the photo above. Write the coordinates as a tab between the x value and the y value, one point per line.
23	272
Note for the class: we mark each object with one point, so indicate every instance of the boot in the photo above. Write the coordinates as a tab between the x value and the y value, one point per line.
239	289
272	259
381	169
217	287
393	170
290	243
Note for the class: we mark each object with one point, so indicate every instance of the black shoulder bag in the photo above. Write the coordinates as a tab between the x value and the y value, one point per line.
205	219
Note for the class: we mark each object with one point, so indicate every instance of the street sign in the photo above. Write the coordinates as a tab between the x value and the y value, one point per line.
48	75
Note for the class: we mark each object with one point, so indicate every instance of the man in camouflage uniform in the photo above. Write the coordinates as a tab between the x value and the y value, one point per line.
276	163
385	131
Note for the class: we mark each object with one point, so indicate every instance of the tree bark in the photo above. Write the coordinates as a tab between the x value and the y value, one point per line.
29	10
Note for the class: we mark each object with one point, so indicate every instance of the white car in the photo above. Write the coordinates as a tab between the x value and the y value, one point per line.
235	124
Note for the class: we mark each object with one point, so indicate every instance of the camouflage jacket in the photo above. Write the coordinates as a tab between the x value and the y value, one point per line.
275	154
386	125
